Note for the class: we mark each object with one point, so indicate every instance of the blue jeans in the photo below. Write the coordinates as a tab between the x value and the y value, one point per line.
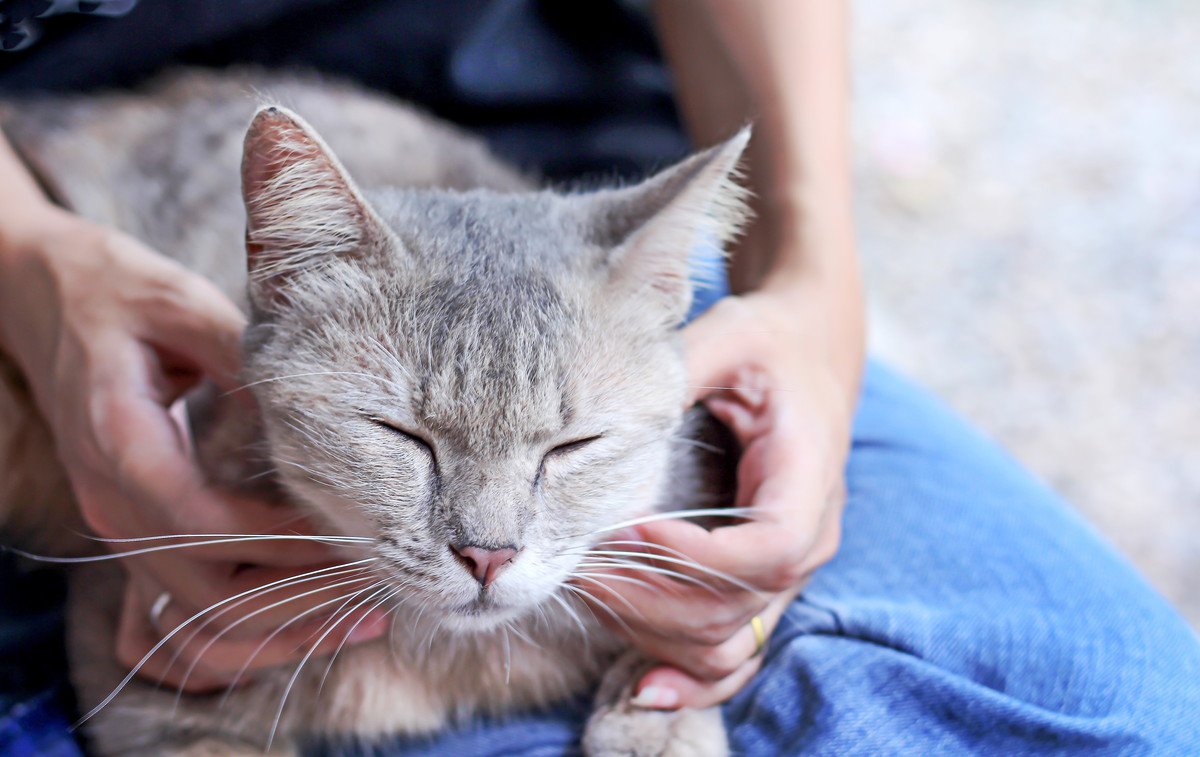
969	610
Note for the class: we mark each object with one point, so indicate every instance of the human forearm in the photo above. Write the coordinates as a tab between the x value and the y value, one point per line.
27	219
783	64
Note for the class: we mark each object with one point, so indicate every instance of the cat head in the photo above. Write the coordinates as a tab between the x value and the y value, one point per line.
482	383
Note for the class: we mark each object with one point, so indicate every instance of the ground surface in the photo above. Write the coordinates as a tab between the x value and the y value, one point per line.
1029	211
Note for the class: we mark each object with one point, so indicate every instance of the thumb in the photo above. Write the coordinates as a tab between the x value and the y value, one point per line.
667	688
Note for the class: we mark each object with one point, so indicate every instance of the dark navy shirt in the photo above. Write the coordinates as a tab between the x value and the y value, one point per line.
567	89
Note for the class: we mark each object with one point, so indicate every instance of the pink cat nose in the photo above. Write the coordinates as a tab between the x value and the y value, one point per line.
484	564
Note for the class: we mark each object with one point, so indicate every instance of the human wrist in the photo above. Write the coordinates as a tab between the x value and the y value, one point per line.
27	241
27	224
823	304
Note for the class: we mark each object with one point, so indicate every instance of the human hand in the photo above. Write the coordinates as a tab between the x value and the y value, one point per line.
760	364
109	334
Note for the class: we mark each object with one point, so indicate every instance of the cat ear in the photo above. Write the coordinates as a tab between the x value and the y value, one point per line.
302	209
655	229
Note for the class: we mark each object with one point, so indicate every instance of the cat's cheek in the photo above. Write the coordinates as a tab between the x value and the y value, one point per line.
343	517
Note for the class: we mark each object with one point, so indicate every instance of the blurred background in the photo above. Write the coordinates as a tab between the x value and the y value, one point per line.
1029	212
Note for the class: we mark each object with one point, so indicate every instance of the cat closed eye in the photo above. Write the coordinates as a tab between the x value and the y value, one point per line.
404	433
573	445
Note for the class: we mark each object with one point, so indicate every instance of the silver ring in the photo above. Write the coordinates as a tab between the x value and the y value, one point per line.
159	606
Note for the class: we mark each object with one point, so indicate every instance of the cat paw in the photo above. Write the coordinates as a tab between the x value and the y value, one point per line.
623	730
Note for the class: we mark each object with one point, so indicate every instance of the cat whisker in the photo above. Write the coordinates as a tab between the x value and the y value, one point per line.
613	563
596	602
307	655
671	551
333	615
744	513
741	388
391	643
167	638
610	564
616	594
344	599
433	632
635	565
507	654
391	356
208	645
649	544
317	575
217	539
333	620
522	635
336	538
571	612
313	475
309	374
698	444
348	634
676	561
606	576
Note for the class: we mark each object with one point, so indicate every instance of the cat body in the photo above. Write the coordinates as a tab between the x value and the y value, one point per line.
446	359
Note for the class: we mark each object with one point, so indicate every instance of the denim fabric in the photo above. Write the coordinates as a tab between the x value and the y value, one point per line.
969	610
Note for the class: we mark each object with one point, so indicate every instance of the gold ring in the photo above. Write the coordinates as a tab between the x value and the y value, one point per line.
760	635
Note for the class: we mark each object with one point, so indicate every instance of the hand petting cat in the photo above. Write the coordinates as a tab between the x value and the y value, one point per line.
108	334
790	346
759	368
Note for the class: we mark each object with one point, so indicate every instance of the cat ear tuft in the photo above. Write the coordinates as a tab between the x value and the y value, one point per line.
656	230
302	210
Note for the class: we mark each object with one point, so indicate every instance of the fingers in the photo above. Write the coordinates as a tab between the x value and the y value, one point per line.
243	607
154	476
702	677
788	473
770	555
791	419
705	663
200	650
188	316
665	688
665	613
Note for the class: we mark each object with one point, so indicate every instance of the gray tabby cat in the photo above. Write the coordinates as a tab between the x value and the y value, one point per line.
472	379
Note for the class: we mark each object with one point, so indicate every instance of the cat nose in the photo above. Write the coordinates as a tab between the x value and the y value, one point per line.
484	564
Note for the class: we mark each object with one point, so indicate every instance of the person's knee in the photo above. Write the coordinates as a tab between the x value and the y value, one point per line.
822	691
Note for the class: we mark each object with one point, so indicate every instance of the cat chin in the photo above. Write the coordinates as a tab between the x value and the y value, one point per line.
480	620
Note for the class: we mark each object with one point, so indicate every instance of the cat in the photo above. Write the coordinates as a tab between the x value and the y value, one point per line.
475	378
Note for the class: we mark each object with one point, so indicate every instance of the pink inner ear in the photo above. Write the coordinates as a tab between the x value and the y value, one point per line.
278	142
301	207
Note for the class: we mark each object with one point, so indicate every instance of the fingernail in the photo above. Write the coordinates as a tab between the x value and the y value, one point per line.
656	698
